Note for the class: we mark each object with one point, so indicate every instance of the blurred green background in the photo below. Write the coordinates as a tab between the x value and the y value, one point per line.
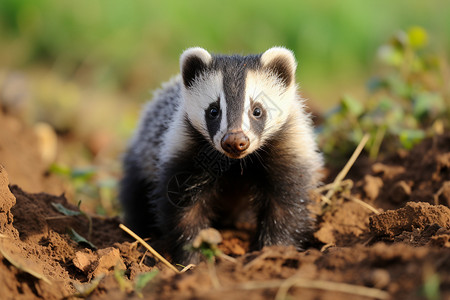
86	67
132	46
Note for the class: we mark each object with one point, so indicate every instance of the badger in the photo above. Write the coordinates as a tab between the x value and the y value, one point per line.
228	134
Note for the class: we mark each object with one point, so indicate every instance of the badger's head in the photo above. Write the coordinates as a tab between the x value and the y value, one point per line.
238	102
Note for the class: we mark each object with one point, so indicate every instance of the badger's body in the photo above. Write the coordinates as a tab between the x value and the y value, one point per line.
229	133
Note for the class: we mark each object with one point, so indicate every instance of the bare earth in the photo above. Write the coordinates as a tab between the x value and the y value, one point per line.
401	253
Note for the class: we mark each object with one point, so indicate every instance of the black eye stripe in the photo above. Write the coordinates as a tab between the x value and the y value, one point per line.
213	117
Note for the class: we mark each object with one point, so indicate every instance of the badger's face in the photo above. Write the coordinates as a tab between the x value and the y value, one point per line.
238	102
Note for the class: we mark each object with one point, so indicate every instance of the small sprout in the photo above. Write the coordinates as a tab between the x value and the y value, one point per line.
71	213
84	290
80	239
65	211
431	287
207	242
124	284
142	280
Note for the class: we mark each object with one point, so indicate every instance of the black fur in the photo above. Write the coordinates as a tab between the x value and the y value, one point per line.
201	187
276	187
213	124
192	68
273	185
282	69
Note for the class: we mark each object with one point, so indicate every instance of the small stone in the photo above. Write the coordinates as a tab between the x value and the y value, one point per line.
372	186
109	258
85	260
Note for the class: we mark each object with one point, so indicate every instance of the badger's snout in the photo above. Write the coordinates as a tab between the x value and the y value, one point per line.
234	143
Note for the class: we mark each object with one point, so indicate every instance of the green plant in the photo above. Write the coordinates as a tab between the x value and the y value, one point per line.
409	101
88	186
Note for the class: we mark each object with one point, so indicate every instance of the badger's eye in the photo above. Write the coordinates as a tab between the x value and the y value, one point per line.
257	112
213	112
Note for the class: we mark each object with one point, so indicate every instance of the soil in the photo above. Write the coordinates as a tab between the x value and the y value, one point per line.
400	252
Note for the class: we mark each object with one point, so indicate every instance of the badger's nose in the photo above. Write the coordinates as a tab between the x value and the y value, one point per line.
235	142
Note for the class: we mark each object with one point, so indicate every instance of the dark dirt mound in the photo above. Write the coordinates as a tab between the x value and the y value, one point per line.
35	235
401	253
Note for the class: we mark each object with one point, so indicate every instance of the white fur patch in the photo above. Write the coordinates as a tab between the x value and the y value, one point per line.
206	90
176	139
283	105
278	102
217	139
279	52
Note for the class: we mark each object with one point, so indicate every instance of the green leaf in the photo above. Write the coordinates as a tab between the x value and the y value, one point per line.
375	83
80	239
391	55
143	279
410	137
83	174
84	290
352	106
60	170
425	103
119	275
431	287
65	211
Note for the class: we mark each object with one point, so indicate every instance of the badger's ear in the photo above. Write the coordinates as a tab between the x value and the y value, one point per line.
193	62
281	62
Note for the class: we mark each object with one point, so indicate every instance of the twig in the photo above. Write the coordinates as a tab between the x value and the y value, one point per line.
213	274
188	267
324	285
364	204
149	248
329	286
227	257
325	199
57	217
347	166
143	257
327	187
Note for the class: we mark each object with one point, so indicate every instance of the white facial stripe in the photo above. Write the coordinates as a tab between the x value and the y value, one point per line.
223	122
206	90
278	101
245	126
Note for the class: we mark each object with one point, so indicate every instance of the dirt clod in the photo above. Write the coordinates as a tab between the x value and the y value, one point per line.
412	216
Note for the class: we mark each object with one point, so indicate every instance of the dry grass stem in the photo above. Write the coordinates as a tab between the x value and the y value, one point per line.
329	286
149	248
213	275
347	166
344	183
227	257
188	267
285	285
143	257
57	217
364	204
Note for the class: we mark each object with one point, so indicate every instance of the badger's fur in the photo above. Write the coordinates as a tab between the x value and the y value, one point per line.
229	132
